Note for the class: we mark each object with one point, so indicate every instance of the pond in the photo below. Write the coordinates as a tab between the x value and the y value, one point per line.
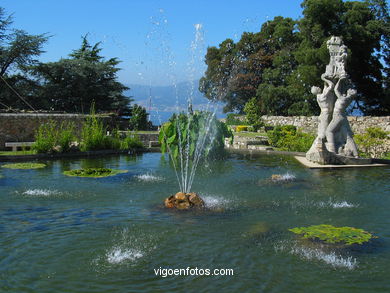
69	234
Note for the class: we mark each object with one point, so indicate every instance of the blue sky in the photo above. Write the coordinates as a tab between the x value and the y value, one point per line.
152	38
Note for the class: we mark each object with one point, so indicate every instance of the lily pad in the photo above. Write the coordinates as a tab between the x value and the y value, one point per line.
24	166
331	234
94	172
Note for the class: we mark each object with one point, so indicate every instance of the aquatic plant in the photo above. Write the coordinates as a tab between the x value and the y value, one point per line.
24	166
94	172
331	234
54	137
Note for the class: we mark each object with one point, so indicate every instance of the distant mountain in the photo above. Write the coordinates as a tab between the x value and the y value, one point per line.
166	100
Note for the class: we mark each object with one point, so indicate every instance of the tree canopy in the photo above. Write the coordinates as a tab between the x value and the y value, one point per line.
279	64
73	84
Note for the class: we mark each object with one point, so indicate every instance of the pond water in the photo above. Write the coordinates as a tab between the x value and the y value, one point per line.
68	234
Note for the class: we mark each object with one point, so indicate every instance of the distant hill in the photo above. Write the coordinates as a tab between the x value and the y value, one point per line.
166	100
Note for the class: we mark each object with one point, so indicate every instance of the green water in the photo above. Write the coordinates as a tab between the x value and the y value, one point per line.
67	234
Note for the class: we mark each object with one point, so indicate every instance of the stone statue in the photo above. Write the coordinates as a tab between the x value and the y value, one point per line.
335	137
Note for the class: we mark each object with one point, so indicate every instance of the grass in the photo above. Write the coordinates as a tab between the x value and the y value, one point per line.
24	166
17	153
94	172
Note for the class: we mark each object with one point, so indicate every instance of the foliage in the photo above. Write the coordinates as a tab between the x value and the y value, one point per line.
24	166
371	140
52	137
253	114
130	142
139	118
94	134
18	49
200	130
233	119
287	138
331	234
279	64
73	84
94	172
240	128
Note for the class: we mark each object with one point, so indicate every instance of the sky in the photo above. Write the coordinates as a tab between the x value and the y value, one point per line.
160	42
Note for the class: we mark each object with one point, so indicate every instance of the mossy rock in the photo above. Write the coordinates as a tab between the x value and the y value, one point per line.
94	172
24	166
334	235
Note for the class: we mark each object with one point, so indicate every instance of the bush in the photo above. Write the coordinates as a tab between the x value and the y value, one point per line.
53	138
287	138
233	119
240	128
370	142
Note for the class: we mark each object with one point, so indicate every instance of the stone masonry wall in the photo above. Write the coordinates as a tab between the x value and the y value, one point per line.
22	126
309	124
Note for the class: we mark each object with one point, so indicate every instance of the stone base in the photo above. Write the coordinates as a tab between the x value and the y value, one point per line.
312	165
184	201
319	154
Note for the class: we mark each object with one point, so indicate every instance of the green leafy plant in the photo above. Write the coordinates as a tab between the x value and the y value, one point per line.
94	172
54	137
331	234
94	134
370	142
139	118
288	138
24	166
130	142
183	130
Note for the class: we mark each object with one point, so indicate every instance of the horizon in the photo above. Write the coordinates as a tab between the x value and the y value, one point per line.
163	43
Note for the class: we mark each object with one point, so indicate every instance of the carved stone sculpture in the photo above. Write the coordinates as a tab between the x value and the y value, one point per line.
335	137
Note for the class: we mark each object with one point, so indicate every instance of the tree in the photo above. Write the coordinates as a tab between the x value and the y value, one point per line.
73	84
18	50
279	64
139	118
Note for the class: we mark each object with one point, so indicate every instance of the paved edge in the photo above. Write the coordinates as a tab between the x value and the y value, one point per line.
312	165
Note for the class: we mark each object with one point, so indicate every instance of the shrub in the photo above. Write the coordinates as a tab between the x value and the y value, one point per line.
331	234
240	128
370	142
287	138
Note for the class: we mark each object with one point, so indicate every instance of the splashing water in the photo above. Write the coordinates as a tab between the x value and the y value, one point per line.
148	177
331	258
40	192
117	255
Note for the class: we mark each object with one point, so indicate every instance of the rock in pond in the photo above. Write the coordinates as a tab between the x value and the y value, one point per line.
184	201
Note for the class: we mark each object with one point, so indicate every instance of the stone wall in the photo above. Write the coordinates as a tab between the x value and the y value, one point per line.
310	123
22	126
